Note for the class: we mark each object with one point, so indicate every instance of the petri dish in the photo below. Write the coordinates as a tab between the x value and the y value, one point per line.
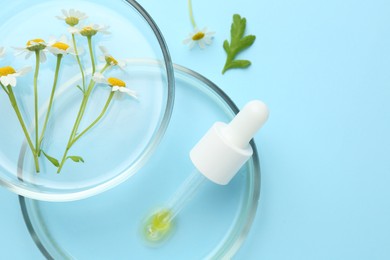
126	134
213	225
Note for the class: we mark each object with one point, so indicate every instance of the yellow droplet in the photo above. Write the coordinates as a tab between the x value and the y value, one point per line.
6	71
116	82
61	46
158	225
198	36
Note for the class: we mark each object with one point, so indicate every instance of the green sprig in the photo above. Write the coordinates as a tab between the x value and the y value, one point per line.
237	44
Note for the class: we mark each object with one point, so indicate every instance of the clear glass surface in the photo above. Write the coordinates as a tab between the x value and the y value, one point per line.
120	144
212	226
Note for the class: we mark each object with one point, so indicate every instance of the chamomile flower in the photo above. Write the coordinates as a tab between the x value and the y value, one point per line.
2	52
8	75
33	46
109	59
72	17
115	84
200	37
89	30
60	46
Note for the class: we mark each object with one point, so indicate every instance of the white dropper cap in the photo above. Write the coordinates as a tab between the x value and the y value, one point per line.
225	148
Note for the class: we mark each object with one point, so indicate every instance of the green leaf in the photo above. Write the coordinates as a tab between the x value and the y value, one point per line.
78	86
226	46
53	160
247	41
237	44
76	158
239	64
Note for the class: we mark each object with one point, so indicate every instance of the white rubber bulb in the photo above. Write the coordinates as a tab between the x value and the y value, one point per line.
246	123
225	147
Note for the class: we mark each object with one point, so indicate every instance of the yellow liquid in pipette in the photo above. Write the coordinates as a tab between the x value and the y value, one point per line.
158	226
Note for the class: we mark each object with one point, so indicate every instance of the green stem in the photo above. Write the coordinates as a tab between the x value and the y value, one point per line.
25	131
78	119
78	60
191	14
5	90
96	120
59	58
37	61
91	54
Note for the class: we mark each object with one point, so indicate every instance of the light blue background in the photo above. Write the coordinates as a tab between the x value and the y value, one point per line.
323	67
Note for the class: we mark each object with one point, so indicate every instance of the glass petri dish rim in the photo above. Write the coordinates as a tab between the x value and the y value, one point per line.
166	64
235	237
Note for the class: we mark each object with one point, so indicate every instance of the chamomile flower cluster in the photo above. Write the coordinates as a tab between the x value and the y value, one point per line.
58	48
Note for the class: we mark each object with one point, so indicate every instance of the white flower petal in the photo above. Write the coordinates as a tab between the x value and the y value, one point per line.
99	78
12	80
201	44
4	80
64	39
42	56
72	12
71	50
115	88
187	40
210	33
51	40
104	30
2	52
128	92
65	13
192	44
208	40
23	71
122	64
74	30
60	17
53	50
28	55
104	50
80	50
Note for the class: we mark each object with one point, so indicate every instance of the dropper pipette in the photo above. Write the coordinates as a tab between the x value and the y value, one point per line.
217	157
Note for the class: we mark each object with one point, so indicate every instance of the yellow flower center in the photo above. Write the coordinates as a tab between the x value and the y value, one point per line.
116	82
30	42
88	31
61	46
111	60
72	21
198	36
6	71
